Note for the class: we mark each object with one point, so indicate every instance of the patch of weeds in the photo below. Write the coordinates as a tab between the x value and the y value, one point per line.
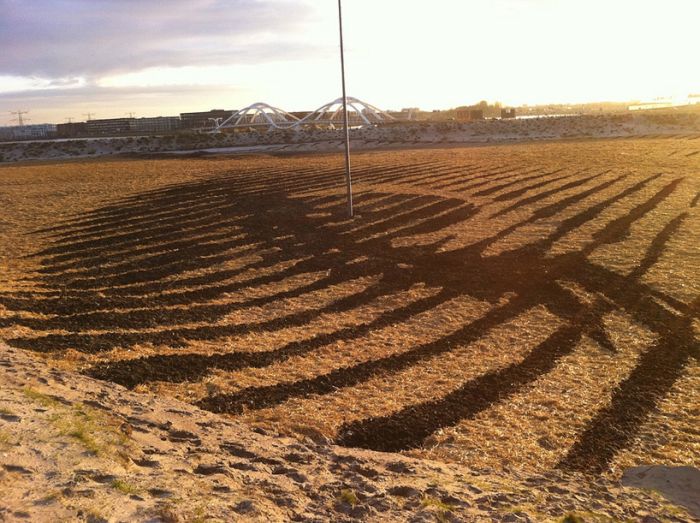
6	439
80	430
124	487
200	515
442	508
43	399
348	496
95	431
430	501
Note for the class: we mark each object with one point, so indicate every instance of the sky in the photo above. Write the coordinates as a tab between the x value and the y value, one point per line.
68	58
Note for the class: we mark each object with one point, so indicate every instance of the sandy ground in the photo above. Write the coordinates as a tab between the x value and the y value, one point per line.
75	449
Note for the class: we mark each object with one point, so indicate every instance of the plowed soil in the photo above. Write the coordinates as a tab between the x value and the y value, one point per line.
532	306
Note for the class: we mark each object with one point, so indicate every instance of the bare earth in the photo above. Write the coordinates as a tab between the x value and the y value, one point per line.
506	312
72	448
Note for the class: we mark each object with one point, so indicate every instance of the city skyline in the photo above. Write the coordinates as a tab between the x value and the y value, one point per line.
71	57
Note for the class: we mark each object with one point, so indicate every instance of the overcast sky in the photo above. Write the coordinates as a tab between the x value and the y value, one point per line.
61	58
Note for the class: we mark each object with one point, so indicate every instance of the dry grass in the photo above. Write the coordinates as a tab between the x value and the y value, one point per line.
6	440
527	306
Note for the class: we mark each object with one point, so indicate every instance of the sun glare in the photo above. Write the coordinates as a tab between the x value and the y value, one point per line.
434	56
455	53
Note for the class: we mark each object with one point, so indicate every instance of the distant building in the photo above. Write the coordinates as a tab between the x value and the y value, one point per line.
28	132
203	119
469	115
462	115
158	124
118	126
71	130
108	127
508	113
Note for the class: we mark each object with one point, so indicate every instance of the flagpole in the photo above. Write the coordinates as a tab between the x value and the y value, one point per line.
348	177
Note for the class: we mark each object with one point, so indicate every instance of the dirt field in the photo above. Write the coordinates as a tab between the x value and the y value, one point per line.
510	307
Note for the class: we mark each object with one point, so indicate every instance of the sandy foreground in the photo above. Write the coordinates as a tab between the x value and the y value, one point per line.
76	449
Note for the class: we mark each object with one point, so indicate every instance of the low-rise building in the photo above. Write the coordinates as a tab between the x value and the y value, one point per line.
108	127
204	119
158	124
6	133
28	132
468	115
71	130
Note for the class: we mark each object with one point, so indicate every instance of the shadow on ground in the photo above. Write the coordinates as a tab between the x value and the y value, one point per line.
154	269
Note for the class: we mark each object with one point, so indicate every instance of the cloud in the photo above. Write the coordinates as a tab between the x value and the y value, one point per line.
91	38
13	84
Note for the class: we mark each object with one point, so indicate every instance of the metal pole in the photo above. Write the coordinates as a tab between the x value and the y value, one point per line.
348	177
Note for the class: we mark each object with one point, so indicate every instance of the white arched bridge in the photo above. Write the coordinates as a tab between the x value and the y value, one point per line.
330	115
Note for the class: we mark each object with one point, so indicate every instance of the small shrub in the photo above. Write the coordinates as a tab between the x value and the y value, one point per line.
124	487
348	496
442	508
